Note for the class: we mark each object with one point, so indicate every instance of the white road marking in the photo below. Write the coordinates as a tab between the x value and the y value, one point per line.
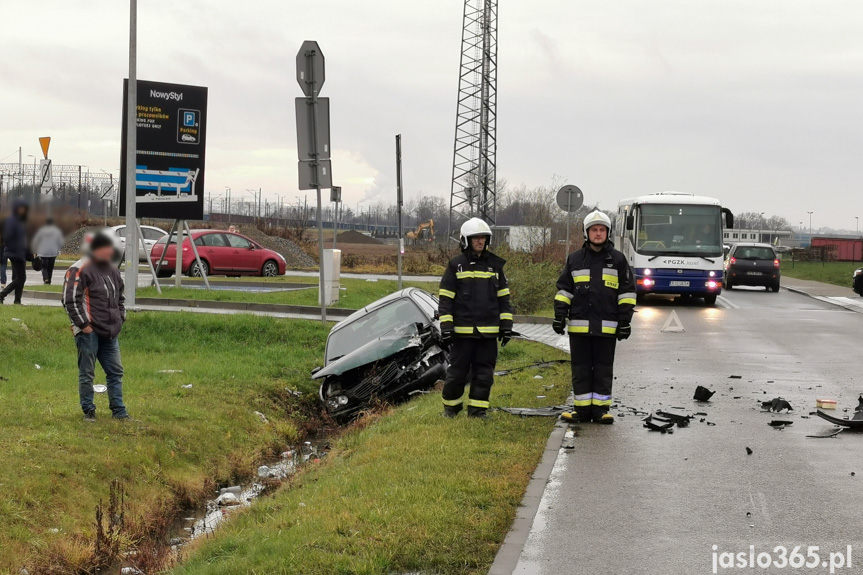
727	303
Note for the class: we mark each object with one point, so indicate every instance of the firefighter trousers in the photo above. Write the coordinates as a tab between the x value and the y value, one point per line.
474	358
592	374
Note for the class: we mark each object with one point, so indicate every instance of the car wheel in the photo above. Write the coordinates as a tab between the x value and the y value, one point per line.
775	288
728	285
197	271
270	269
710	299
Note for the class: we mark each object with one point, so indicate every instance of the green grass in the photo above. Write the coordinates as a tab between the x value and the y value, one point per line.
57	467
357	293
413	492
836	273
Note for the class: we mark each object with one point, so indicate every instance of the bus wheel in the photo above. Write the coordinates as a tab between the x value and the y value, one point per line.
710	299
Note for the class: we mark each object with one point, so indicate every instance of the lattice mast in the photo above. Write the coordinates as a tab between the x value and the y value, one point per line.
474	189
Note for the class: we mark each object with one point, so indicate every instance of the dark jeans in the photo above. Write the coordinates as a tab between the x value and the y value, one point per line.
3	260
474	358
48	268
91	348
592	373
19	276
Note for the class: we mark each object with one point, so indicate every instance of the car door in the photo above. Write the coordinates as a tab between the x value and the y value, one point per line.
151	236
214	248
244	258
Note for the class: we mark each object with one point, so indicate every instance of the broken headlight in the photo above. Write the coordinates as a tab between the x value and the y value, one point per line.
336	402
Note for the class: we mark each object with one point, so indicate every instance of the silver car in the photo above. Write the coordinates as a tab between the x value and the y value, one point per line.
151	235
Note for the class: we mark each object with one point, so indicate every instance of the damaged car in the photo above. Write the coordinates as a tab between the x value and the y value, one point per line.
383	352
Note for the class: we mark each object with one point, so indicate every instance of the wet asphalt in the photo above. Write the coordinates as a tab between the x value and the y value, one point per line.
626	500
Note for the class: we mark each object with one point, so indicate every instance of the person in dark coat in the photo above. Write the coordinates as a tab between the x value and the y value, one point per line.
15	247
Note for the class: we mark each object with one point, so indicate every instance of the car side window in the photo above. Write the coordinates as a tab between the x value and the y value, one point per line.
121	232
152	234
215	240
427	303
239	242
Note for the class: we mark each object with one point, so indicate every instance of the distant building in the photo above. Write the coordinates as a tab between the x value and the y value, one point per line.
522	238
775	237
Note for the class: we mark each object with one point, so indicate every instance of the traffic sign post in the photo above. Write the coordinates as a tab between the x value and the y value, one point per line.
313	140
336	199
47	178
570	199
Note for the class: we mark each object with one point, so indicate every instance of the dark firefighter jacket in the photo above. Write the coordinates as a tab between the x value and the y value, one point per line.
596	292
474	296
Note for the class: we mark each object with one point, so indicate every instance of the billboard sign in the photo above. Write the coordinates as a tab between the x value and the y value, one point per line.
171	140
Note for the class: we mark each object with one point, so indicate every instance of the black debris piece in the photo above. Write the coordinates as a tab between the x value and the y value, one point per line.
701	413
856	422
656	423
735	377
779	423
710	423
827	434
748	452
776	404
702	393
679	420
737	397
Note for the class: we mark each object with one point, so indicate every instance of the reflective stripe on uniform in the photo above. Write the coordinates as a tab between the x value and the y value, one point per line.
445	318
564	296
579	326
488	329
452	402
447	293
610	272
599	399
463	330
609	327
579	276
610	278
583	399
478	403
626	298
506	316
476	275
502	292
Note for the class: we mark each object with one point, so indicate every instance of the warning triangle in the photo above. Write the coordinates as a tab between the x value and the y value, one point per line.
672	324
45	142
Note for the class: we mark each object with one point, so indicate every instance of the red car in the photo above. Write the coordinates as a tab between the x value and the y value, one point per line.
222	253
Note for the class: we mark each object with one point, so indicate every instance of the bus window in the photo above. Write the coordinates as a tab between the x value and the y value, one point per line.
680	229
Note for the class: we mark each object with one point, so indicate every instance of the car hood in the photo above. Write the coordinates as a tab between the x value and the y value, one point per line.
389	344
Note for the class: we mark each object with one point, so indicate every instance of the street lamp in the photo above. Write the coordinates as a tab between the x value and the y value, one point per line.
857	218
810	226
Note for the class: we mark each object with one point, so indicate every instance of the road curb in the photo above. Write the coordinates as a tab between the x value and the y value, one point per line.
510	551
825	299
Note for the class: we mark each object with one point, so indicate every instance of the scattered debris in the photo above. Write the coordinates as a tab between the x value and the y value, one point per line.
702	394
131	571
100	388
657	423
748	452
551	411
679	420
779	423
856	421
569	440
827	434
735	377
228	499
776	404
187	386
294	392
540	397
825	403
37	366
537	377
170	371
262	417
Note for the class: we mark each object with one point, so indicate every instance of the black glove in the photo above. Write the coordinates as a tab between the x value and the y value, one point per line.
624	330
559	325
505	336
446	337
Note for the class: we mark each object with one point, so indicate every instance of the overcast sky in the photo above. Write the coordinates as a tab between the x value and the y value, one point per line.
755	102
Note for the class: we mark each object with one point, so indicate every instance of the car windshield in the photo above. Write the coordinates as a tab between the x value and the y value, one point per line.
754	253
679	229
375	324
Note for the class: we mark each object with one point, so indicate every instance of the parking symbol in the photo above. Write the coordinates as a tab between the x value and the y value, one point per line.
189	119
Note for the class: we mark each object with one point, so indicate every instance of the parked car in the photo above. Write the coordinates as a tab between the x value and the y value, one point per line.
857	281
383	352
752	265
151	235
221	253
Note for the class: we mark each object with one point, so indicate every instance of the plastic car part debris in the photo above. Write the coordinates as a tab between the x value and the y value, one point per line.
779	423
702	393
679	420
569	440
735	377
551	411
776	404
100	388
827	434
855	422
656	423
749	451
825	403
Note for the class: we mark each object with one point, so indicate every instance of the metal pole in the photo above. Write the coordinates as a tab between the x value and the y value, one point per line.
335	223
312	79
178	262
131	157
399	195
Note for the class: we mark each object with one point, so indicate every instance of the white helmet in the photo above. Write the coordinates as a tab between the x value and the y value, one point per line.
596	218
474	227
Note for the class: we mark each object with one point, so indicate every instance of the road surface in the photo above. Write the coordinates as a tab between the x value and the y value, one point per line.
626	500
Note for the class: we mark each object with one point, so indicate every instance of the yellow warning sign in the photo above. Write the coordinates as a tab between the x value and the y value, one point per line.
45	142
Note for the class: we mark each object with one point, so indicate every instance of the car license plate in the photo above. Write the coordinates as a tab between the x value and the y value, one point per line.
678	284
753	273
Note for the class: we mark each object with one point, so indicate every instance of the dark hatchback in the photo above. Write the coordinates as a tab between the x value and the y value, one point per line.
383	352
752	265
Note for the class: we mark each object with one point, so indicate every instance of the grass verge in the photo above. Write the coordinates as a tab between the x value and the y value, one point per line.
182	442
836	273
412	492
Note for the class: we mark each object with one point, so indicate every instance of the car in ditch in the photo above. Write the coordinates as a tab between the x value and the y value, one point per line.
382	353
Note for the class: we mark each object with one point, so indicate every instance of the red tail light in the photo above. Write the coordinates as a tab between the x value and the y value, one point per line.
732	261
776	263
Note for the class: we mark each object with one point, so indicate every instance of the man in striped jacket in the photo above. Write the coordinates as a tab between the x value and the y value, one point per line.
475	312
594	304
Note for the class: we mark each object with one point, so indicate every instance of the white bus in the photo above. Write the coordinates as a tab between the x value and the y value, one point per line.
673	243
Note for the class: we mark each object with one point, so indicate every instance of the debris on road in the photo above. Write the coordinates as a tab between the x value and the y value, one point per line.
779	423
569	440
827	434
856	421
825	403
735	377
749	452
702	394
679	420
657	423
776	404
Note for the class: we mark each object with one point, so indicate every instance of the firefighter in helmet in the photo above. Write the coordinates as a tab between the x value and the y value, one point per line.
594	304
475	313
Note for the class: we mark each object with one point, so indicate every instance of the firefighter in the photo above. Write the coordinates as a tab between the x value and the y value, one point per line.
594	304
475	312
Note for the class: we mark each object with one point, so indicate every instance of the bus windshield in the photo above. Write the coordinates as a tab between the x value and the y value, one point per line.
679	229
